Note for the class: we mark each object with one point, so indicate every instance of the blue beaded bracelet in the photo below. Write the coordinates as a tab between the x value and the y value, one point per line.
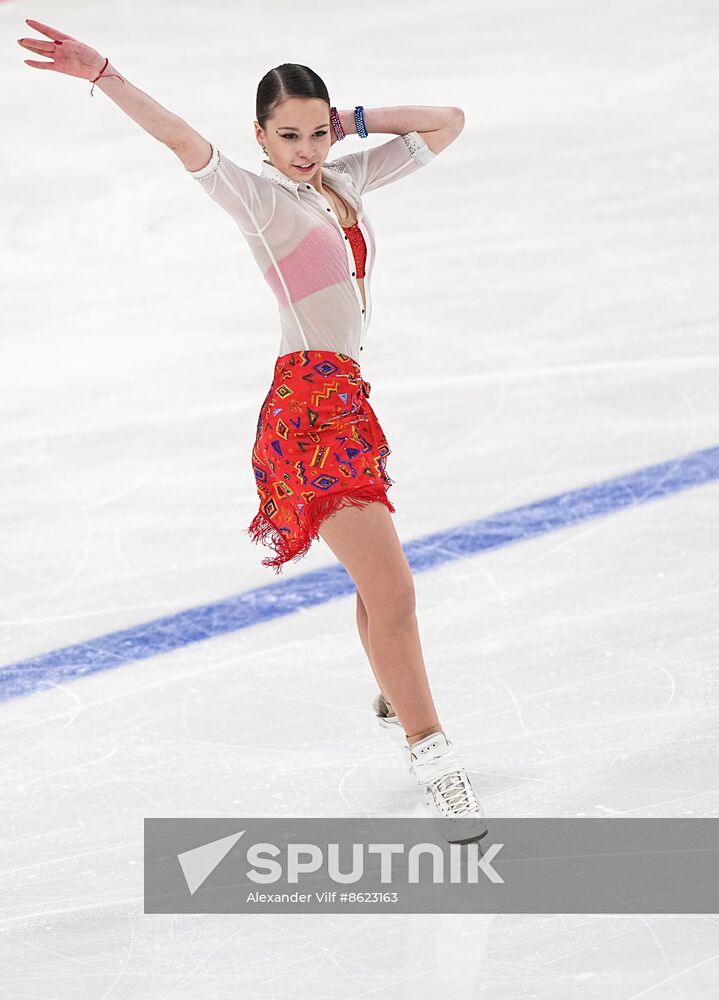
359	122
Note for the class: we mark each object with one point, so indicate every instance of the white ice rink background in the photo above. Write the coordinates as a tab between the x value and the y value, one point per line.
543	359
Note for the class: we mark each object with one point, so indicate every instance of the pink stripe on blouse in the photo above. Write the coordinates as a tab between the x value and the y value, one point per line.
317	262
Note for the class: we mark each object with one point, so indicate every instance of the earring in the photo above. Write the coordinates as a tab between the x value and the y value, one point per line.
264	150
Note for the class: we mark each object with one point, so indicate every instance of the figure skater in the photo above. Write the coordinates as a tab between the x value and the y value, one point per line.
319	456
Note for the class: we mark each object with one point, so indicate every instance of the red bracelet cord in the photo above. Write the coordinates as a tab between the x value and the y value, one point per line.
100	74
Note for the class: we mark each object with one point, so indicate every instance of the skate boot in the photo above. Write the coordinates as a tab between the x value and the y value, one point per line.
391	725
448	792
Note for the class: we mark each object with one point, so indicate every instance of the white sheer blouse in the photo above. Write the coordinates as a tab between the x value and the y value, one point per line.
298	243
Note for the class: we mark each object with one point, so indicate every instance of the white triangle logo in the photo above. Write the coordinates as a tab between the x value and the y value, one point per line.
199	863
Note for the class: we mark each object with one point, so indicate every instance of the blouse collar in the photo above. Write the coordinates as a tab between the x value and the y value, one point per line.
274	174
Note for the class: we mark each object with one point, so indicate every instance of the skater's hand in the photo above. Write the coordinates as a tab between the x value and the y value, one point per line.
72	57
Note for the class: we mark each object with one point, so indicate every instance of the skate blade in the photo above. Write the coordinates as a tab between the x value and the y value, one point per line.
458	830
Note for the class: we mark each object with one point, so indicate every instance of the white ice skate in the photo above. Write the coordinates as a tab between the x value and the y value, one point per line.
391	725
447	789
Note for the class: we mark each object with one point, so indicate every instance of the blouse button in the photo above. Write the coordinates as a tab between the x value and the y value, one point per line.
353	274
346	236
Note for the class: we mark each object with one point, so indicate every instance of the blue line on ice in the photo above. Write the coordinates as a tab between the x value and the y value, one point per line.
285	597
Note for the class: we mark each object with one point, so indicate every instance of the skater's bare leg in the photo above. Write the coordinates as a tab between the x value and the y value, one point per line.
366	543
362	622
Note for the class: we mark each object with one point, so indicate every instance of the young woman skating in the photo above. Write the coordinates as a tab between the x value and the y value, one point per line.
319	456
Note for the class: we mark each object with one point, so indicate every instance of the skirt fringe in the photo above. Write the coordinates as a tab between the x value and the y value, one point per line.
263	531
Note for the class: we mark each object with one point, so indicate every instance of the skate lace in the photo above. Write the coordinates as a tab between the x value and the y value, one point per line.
456	792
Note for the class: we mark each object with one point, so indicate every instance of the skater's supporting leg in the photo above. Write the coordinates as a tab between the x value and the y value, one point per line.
362	626
366	543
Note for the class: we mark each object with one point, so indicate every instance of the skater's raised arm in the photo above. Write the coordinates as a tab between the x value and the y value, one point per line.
74	58
247	197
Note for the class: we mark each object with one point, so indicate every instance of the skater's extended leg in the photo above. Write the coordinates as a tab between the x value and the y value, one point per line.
362	623
366	543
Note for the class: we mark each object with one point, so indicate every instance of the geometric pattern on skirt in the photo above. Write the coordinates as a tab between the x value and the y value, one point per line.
318	447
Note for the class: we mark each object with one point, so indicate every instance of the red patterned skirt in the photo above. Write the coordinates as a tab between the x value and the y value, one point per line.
319	446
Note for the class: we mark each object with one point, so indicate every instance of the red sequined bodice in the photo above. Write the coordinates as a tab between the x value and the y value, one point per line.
359	247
